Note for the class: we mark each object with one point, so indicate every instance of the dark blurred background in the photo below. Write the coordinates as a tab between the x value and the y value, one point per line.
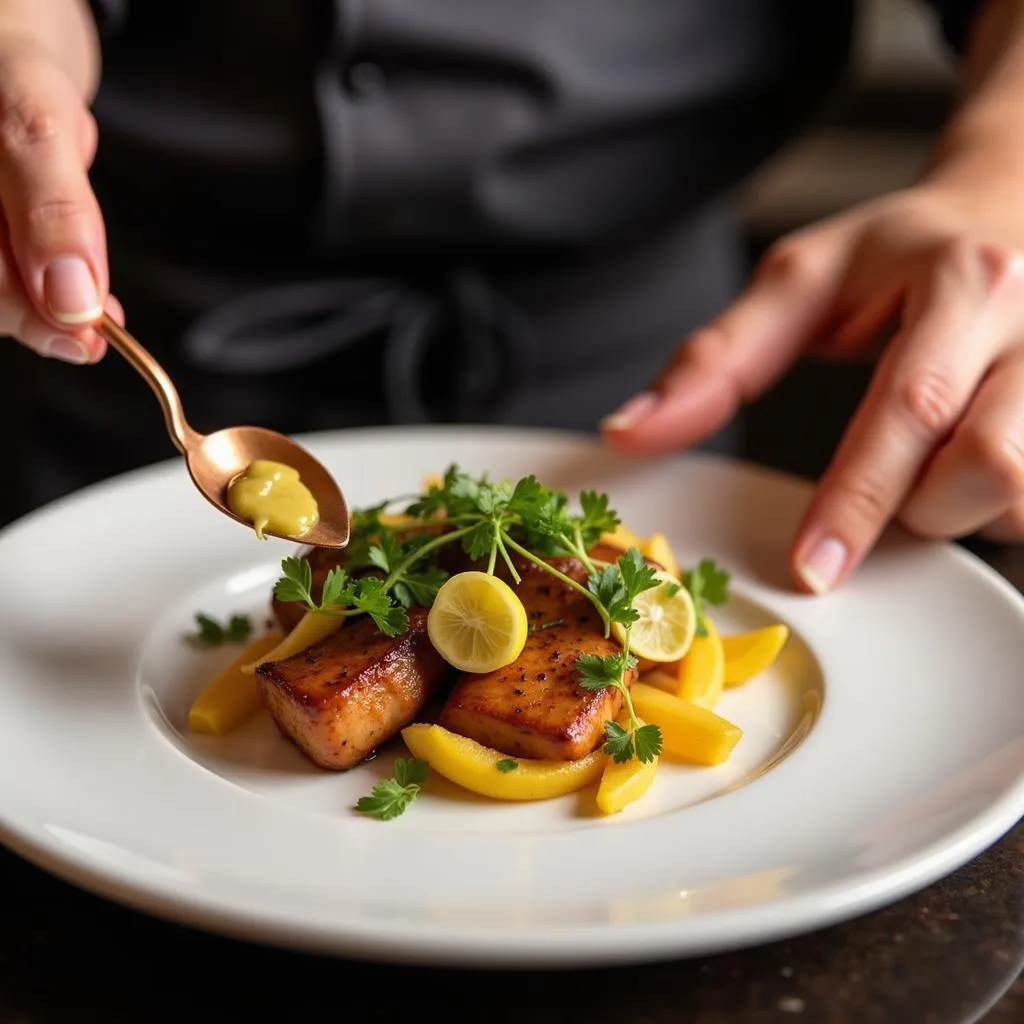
873	140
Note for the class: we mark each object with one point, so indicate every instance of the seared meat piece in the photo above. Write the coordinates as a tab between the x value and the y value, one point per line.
342	698
535	707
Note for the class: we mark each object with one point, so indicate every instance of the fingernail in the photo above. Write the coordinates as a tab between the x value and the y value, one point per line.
631	412
70	291
66	348
823	564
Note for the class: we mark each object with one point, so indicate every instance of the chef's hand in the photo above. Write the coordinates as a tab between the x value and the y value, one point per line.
938	441
53	259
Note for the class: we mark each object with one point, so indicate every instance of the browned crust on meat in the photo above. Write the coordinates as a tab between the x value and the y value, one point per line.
341	698
535	707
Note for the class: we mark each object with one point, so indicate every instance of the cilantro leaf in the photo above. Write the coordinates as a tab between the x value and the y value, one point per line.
506	765
419	588
369	596
389	798
337	590
239	628
386	553
637	575
596	672
618	742
479	541
597	517
707	584
297	581
647	740
411	771
210	633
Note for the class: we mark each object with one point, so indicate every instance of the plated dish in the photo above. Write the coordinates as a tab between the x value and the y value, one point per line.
881	748
542	630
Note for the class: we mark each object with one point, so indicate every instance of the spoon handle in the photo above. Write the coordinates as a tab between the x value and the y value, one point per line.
183	436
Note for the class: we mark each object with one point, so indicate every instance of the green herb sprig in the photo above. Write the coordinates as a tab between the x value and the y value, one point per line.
390	797
211	633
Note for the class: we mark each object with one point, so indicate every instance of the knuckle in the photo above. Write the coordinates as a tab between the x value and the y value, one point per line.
862	499
789	257
24	124
927	402
47	212
990	265
1001	457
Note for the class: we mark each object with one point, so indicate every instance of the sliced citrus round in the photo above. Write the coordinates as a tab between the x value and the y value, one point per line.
477	623
667	623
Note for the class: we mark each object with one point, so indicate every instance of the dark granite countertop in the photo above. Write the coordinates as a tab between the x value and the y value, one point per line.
951	954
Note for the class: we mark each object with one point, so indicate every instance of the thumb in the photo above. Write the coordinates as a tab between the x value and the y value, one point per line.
732	360
55	228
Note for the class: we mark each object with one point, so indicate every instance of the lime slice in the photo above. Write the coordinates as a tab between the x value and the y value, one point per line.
667	623
477	623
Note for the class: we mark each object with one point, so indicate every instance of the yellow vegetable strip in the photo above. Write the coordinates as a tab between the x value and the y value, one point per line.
233	696
688	732
474	767
310	629
702	670
657	549
623	784
748	654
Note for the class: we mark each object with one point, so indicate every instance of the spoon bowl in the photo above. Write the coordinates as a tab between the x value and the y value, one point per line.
215	460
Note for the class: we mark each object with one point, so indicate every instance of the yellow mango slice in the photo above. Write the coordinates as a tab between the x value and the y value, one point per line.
233	696
310	629
688	732
747	654
622	784
474	767
623	538
657	549
664	677
702	670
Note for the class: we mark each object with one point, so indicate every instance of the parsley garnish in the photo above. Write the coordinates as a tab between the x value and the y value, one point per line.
707	584
617	586
210	633
342	595
391	566
506	765
391	797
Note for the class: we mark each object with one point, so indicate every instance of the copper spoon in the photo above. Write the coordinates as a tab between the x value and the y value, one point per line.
214	460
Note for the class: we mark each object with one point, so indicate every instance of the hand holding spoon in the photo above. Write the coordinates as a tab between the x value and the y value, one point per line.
215	460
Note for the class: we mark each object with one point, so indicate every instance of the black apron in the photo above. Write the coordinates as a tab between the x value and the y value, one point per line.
344	213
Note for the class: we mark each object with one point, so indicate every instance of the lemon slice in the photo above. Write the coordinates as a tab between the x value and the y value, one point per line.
667	623
477	623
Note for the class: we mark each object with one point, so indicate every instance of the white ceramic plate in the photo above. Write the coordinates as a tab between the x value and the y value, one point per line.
884	749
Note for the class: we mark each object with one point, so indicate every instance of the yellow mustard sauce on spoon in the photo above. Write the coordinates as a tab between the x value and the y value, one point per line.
271	496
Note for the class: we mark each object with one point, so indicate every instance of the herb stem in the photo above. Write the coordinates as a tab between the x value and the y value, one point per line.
623	688
567	580
581	551
400	570
508	559
494	550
